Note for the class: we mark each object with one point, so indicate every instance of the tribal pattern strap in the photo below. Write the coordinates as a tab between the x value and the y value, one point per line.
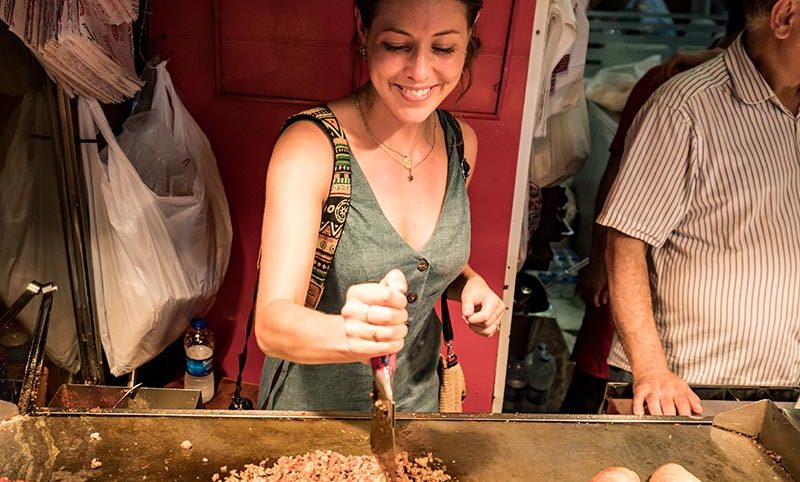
334	212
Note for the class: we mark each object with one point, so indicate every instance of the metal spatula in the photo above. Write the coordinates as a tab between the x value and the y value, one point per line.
382	431
130	394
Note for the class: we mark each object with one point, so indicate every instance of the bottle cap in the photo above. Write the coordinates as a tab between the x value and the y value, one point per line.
198	323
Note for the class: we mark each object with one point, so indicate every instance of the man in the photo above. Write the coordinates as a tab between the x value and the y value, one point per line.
590	375
703	223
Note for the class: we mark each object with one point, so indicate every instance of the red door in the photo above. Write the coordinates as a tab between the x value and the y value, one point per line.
243	66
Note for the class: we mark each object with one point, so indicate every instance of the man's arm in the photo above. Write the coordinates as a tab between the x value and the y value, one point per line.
632	308
592	281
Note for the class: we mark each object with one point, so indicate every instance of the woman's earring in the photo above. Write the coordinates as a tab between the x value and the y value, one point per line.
363	51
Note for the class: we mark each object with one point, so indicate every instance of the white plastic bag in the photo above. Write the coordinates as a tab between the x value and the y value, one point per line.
567	77
158	260
611	86
32	245
150	146
564	151
566	42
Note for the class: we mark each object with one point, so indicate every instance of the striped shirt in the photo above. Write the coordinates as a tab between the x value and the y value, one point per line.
710	180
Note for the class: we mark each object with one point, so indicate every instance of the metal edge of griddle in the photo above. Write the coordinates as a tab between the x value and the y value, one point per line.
773	427
400	416
794	416
782	437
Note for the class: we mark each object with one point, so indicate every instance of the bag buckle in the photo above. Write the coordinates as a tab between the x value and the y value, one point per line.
450	357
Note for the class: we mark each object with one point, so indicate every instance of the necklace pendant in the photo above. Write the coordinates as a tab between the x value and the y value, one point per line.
407	162
410	176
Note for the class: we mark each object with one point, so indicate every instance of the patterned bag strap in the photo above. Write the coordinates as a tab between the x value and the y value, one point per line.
334	215
334	212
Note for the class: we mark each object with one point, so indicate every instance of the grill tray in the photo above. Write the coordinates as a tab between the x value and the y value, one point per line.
56	445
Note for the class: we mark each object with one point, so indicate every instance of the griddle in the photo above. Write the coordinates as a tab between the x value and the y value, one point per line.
145	445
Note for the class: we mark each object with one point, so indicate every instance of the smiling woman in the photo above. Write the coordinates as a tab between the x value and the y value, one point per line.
389	235
365	11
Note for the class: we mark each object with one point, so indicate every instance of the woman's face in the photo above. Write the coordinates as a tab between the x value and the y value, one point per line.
415	54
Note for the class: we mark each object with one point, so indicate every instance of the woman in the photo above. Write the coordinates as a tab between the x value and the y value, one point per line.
406	238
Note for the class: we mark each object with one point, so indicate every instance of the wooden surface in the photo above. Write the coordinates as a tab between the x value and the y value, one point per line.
223	392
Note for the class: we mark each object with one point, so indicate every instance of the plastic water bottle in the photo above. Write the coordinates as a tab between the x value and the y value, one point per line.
198	343
541	369
516	380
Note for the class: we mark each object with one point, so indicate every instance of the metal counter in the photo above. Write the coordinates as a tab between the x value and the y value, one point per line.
146	446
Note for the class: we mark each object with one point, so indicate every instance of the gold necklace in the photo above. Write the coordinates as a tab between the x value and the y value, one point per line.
406	162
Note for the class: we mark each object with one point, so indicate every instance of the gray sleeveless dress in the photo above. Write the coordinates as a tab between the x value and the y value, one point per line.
368	249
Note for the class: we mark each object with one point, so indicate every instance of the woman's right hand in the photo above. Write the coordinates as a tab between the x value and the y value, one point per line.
375	317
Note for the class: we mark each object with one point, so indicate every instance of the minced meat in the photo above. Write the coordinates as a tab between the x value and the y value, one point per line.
329	466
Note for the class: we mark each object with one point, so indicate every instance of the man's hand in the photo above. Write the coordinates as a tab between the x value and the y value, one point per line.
593	284
631	304
664	392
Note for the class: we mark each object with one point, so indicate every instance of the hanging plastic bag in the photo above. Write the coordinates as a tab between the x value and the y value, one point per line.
566	41
158	260
566	148
611	86
32	245
566	82
150	146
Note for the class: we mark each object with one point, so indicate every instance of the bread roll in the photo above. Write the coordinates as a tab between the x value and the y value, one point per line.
616	474
672	473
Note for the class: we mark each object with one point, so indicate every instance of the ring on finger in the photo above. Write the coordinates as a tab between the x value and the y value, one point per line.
499	315
365	316
375	333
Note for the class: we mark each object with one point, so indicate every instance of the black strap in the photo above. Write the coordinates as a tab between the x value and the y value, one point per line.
447	333
238	402
447	326
457	142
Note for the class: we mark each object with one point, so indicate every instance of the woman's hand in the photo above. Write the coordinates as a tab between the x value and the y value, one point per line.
481	308
375	317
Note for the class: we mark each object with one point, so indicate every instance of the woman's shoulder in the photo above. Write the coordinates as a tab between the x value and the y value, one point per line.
304	145
303	134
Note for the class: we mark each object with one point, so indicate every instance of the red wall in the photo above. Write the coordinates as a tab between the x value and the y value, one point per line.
242	66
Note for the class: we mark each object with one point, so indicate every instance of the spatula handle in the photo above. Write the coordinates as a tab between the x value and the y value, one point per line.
381	362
